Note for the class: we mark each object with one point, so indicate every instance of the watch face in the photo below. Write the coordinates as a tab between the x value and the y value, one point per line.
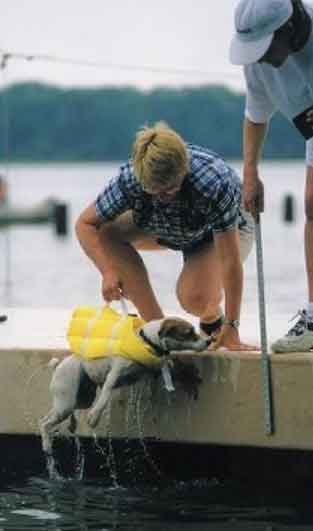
304	122
232	322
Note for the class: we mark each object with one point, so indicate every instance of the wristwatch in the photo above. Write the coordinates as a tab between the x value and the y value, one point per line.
232	322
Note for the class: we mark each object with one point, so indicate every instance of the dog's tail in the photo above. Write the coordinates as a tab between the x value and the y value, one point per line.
53	363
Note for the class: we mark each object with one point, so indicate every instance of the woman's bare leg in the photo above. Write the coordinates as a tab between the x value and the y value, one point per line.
125	241
199	288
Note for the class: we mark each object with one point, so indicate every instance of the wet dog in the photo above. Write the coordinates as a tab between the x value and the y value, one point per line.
75	380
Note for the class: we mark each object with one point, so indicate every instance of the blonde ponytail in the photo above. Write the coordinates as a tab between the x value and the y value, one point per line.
160	156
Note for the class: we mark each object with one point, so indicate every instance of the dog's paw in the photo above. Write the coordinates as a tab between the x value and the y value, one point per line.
46	444
93	417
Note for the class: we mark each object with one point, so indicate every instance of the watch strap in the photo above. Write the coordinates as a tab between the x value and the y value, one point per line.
232	322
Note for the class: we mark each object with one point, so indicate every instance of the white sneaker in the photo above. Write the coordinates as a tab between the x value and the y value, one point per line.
299	338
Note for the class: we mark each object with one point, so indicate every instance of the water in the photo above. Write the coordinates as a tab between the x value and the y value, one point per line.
40	261
38	504
47	271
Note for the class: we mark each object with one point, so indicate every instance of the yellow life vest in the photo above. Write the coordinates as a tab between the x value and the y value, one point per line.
98	333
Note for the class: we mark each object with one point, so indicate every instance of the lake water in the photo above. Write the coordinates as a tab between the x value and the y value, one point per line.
38	504
47	271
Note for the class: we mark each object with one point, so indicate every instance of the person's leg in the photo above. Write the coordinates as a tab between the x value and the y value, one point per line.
199	288
300	336
308	231
125	241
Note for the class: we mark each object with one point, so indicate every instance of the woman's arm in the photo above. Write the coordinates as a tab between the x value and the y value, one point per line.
228	251
99	249
89	236
253	139
227	247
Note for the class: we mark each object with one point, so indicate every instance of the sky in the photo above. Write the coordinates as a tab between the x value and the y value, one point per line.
127	39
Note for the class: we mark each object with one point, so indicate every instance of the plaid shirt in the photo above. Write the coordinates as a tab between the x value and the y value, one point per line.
209	200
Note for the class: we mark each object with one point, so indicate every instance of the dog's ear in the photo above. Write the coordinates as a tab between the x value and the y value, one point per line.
176	328
167	327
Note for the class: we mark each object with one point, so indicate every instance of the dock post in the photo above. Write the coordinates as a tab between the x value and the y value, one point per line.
60	218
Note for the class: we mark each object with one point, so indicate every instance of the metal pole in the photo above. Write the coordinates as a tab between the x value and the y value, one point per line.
265	361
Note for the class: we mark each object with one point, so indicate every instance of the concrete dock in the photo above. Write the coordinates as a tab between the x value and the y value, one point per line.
229	409
228	413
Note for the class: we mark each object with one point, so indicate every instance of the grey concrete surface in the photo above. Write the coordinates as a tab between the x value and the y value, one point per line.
229	409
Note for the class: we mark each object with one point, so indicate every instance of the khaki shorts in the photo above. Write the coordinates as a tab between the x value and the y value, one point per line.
247	234
125	229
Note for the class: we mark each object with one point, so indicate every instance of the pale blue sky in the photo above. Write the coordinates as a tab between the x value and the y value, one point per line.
169	34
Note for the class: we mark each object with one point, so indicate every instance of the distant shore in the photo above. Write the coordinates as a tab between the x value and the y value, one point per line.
44	123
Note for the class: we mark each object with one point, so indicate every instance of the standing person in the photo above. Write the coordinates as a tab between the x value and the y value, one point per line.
3	191
274	42
178	196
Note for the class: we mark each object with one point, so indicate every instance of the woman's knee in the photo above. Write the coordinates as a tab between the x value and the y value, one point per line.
309	206
191	300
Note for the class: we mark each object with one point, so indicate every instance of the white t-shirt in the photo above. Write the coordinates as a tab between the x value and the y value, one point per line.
288	89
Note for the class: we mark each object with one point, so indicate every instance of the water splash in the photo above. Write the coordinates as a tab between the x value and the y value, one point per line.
52	468
80	459
52	464
109	455
140	414
131	405
27	410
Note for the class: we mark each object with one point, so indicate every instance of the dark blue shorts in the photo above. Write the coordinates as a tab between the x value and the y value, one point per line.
189	250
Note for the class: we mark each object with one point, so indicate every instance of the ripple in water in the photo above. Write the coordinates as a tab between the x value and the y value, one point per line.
39	504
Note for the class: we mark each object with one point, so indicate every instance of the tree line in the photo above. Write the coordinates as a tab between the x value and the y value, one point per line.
47	123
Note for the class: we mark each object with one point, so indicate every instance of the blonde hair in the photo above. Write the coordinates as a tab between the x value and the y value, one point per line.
159	156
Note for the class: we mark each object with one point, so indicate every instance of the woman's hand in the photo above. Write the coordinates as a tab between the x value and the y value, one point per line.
253	196
111	286
229	339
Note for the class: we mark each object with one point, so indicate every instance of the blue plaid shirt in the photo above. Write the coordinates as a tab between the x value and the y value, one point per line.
208	201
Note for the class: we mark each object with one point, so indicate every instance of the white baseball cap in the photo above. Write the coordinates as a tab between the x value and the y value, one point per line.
255	24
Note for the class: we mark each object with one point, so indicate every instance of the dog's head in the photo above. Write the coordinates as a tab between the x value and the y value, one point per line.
173	333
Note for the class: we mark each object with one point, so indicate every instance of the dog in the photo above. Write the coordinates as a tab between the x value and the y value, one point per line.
75	380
